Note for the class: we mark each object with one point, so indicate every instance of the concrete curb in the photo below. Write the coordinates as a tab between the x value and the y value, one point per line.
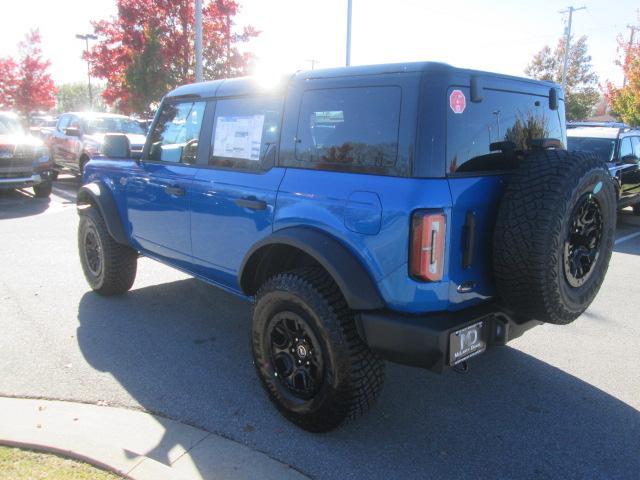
133	444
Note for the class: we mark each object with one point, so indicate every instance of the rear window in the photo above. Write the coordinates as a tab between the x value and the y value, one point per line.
501	116
350	129
604	148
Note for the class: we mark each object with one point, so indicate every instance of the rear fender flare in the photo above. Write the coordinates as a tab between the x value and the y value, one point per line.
358	288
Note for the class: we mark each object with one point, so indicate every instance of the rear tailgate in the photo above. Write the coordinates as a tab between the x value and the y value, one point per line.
475	206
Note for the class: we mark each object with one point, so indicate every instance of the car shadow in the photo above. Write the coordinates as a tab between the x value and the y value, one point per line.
182	350
21	203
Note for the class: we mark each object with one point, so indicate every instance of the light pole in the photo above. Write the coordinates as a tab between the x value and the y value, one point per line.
86	37
567	41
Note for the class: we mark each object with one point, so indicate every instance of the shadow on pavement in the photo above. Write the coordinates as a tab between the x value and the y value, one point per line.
21	203
182	349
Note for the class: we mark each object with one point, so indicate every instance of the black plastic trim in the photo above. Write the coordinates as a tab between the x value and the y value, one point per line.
423	340
100	195
355	283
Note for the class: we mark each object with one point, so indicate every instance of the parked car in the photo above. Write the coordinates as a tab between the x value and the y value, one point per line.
24	159
78	136
416	213
619	147
42	126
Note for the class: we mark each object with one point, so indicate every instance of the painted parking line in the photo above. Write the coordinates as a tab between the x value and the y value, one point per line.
627	237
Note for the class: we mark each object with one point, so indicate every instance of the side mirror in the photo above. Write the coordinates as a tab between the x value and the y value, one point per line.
72	132
630	159
116	146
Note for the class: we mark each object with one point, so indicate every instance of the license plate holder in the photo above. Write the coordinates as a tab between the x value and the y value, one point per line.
468	342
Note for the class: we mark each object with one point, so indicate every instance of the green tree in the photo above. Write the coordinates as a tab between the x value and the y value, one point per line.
581	92
146	78
74	97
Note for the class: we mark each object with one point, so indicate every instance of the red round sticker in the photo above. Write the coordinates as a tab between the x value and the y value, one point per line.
457	101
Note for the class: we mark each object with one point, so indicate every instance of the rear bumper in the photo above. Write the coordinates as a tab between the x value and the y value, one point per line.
423	341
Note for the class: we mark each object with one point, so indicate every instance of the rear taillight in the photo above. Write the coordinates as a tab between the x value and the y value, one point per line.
426	256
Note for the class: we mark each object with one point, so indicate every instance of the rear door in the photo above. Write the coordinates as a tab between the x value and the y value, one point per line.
158	188
234	191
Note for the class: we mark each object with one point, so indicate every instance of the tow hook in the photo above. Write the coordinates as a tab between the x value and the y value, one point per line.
462	367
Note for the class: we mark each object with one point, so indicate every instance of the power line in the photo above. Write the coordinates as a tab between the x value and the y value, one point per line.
567	32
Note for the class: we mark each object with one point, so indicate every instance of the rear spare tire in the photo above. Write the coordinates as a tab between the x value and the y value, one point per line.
554	235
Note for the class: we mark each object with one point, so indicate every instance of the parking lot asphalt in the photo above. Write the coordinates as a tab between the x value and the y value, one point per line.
560	402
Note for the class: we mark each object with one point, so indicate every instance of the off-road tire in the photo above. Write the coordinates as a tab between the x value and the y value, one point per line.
43	190
118	262
353	374
533	225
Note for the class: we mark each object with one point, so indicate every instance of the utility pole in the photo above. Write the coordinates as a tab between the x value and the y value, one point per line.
198	40
348	33
633	29
567	41
313	62
86	37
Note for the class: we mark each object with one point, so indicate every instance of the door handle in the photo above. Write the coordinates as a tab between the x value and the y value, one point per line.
175	190
251	202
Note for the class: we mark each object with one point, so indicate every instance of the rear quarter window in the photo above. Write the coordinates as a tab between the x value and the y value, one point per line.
350	129
501	116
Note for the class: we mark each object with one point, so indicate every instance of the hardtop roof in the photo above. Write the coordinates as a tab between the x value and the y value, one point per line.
253	85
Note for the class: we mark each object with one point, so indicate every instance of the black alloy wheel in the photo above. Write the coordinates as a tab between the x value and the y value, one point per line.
296	356
582	247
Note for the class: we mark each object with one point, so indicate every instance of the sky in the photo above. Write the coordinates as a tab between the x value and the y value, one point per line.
497	35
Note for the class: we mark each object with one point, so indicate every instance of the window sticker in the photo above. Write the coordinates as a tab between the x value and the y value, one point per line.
238	137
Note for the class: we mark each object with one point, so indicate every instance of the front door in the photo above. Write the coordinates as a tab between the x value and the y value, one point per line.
234	193
159	189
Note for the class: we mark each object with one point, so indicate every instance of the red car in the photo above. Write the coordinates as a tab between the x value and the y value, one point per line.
79	136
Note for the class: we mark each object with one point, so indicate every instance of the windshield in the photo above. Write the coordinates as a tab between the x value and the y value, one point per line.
603	147
9	125
113	125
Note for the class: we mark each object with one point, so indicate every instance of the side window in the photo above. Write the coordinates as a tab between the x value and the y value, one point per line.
625	147
175	137
513	119
350	129
635	141
245	132
63	123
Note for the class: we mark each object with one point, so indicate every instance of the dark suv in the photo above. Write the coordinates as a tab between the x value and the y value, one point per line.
24	159
417	213
618	146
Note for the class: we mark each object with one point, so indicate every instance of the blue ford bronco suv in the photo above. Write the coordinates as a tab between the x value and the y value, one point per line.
416	213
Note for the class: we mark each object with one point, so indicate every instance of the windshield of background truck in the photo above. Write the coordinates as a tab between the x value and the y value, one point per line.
113	125
9	126
604	148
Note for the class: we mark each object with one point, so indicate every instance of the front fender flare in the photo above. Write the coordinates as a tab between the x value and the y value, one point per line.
98	194
355	283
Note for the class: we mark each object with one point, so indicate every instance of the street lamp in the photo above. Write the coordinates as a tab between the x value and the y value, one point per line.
86	37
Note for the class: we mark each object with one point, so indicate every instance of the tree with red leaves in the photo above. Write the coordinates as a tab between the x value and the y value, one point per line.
625	101
8	83
35	89
148	48
26	85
